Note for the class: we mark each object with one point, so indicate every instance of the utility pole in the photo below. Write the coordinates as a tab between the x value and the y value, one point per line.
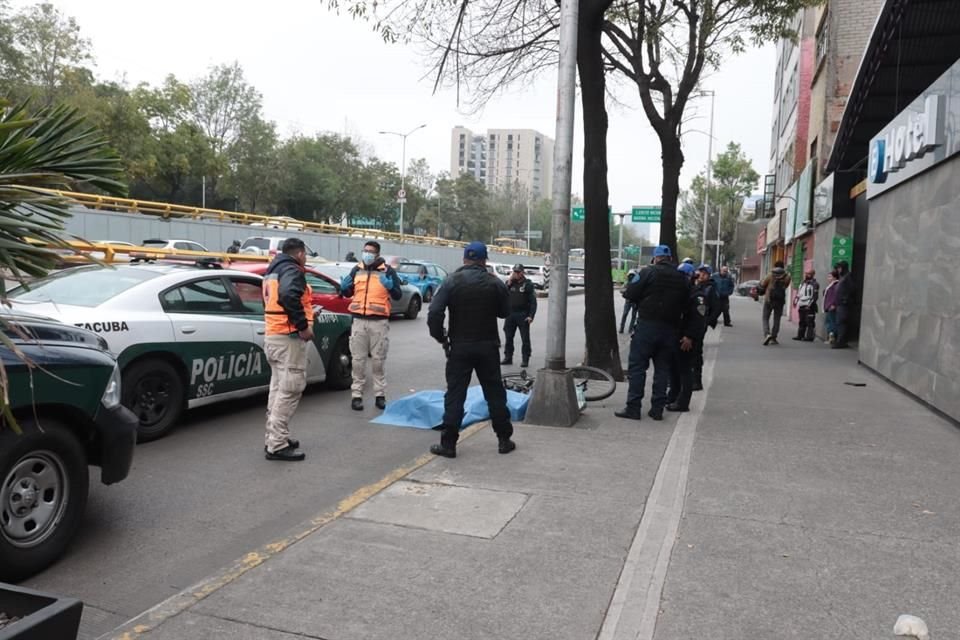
716	265
402	196
620	241
706	195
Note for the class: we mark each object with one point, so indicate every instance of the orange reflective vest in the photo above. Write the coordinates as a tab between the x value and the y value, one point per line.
276	317
370	298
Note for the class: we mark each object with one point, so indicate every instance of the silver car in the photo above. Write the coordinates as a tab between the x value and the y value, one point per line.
408	305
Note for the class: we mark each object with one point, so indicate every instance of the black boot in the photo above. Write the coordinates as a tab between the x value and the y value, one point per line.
440	450
356	404
381	402
287	454
507	360
628	414
506	445
525	362
656	413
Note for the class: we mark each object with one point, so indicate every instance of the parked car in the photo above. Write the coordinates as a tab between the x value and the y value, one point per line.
280	222
746	287
182	245
326	290
575	276
268	246
68	407
184	337
408	305
426	276
537	275
500	269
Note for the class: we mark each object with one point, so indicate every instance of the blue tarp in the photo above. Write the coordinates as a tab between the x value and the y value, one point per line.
424	409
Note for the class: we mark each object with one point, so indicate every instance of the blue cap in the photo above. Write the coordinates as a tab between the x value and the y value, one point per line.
476	250
705	267
687	268
662	251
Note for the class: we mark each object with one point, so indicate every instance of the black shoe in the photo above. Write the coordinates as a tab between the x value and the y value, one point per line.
381	403
796	338
697	386
506	445
656	414
287	454
628	414
774	341
767	340
525	363
676	407
293	443
357	404
440	450
808	339
506	360
728	324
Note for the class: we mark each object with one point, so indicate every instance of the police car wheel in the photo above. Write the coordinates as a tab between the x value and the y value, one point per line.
154	391
43	494
414	309
341	368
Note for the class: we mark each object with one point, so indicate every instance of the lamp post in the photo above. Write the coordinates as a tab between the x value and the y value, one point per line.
403	168
706	195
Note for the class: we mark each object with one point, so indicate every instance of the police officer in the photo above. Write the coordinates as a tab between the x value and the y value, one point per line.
692	327
704	285
372	284
660	293
476	299
523	306
288	315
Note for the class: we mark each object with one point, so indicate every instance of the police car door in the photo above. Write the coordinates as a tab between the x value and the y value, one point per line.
215	340
249	291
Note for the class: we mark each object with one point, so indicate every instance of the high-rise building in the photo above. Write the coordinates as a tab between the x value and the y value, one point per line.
519	160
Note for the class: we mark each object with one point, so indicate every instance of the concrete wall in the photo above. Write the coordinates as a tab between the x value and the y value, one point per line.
910	326
217	236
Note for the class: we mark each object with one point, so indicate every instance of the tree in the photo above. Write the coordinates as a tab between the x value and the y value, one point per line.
255	165
664	46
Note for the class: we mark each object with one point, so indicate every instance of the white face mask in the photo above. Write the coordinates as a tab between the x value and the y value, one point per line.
368	258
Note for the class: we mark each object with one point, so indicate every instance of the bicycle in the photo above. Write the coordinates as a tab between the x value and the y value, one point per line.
591	383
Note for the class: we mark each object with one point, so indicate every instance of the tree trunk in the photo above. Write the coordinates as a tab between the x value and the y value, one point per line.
603	346
672	162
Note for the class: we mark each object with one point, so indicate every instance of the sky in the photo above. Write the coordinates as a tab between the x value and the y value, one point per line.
319	71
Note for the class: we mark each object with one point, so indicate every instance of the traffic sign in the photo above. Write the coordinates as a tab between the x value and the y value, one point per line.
401	195
645	214
842	249
402	200
714	242
534	235
579	214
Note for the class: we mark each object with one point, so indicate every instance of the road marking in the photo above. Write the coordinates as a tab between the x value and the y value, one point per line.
180	602
635	604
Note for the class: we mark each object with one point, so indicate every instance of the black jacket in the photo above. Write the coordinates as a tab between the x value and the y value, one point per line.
292	284
711	301
660	293
476	299
523	298
693	323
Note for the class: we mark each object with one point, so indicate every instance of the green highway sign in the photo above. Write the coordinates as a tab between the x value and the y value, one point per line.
579	214
645	214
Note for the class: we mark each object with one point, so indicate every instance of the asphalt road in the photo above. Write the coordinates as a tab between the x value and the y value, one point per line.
204	496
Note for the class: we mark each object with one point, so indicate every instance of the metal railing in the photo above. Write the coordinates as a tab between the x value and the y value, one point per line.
166	211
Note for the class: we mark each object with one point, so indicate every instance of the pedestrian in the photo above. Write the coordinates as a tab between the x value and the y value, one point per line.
629	309
692	329
846	293
372	284
234	247
773	288
476	298
724	286
703	284
660	293
288	316
808	293
350	257
830	307
523	307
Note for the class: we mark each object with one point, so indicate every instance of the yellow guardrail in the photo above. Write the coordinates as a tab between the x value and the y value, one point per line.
82	252
167	210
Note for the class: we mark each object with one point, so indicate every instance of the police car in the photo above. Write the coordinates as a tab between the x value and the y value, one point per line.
184	337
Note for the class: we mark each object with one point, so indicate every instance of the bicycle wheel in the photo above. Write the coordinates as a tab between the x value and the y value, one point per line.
597	384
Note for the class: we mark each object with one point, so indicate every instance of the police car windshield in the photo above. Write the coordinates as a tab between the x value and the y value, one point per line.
82	287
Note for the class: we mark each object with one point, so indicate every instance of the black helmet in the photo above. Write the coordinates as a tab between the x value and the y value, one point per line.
518	268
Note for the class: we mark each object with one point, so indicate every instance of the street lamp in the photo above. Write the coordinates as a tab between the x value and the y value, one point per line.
403	169
706	197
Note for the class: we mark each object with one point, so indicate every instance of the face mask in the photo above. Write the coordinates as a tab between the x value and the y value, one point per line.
368	258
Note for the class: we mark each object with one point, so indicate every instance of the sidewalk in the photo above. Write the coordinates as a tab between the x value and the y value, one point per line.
790	505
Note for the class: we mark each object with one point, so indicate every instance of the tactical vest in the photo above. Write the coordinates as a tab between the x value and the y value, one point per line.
473	303
665	295
370	298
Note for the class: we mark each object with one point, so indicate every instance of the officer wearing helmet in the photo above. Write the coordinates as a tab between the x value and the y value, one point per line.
704	285
692	326
523	307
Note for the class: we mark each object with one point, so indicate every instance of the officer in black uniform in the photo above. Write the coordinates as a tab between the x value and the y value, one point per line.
476	299
523	306
660	293
706	288
692	327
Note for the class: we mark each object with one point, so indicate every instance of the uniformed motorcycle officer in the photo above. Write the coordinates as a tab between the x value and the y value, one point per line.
476	298
523	307
692	327
288	315
660	293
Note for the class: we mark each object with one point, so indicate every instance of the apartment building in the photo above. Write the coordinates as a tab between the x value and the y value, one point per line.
519	160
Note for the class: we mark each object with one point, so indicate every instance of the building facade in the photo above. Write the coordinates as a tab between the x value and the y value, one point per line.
519	160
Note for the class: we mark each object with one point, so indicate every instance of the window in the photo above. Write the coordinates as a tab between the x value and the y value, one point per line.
823	41
202	296
83	286
250	294
257	243
319	285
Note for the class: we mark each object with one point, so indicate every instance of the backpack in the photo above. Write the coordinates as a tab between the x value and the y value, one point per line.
778	293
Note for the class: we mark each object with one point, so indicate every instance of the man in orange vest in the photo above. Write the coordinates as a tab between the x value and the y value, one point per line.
372	284
288	313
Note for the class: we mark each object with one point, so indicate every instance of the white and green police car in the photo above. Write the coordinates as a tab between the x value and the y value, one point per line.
184	336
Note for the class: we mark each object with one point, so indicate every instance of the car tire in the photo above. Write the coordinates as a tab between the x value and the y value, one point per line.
48	468
154	391
413	309
340	369
428	294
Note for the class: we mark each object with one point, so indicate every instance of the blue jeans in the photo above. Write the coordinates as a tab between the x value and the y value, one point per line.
651	341
831	322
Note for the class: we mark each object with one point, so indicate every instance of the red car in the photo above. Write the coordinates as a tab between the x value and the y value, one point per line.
326	291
